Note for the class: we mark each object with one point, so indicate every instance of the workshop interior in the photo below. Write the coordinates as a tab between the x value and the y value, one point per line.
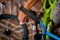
29	19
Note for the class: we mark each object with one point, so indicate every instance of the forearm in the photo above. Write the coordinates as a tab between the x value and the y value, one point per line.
29	4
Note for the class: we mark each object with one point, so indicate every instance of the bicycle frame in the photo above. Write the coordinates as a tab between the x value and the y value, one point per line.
48	14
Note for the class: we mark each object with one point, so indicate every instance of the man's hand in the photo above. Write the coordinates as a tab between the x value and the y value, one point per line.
22	17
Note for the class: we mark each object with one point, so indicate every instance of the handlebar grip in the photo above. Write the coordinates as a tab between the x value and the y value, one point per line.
30	14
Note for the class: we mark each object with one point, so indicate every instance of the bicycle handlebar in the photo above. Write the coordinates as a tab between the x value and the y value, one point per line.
30	14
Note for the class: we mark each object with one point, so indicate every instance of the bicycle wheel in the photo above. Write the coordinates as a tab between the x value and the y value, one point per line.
10	28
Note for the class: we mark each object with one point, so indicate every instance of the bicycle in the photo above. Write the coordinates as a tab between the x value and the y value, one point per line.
40	23
37	21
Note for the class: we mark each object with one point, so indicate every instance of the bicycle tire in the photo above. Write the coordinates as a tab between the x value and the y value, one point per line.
25	30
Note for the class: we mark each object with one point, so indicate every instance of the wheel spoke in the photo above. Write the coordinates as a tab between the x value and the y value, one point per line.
2	25
15	36
4	36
